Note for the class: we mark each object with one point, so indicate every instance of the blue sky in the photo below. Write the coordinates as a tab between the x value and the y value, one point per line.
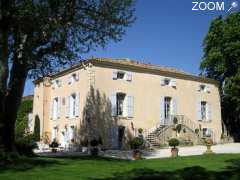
166	33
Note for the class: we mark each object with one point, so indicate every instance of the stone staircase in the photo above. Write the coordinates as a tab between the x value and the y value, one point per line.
157	134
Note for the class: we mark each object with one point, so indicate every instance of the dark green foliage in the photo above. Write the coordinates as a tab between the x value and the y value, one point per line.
25	145
94	142
41	37
173	142
136	143
36	131
221	61
22	118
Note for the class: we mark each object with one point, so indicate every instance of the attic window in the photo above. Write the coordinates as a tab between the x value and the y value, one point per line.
202	87
120	75
73	78
166	81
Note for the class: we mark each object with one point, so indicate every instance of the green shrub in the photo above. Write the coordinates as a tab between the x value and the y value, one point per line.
173	142
36	131
25	145
136	143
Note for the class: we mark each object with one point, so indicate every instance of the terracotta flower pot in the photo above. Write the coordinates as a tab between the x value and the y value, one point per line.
136	155
174	152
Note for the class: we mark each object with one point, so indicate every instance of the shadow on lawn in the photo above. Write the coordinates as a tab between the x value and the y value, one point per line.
25	163
188	173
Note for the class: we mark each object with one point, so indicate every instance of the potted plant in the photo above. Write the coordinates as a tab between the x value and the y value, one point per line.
84	143
136	144
94	147
54	145
208	143
173	143
140	131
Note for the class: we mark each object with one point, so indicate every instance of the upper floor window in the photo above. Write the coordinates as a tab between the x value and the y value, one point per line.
168	82
122	105
122	75
56	108
204	111
73	78
203	88
56	84
72	105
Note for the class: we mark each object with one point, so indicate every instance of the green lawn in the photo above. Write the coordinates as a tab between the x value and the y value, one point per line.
196	167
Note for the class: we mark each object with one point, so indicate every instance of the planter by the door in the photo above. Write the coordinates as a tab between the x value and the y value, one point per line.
209	143
137	155
174	152
173	143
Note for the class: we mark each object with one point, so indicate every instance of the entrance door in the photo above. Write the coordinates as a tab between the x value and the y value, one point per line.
114	138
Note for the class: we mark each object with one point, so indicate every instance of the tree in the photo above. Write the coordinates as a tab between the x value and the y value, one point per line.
97	120
36	132
37	37
221	61
22	118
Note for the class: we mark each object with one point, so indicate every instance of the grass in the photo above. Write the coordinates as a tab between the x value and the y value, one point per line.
224	166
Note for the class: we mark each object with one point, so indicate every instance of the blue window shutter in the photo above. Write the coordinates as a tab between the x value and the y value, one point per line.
113	100
199	115
162	120
77	104
174	106
114	75
130	106
209	112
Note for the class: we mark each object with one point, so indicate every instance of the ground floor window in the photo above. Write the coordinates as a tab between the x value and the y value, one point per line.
207	132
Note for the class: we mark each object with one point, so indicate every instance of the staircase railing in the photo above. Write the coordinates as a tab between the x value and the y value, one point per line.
174	119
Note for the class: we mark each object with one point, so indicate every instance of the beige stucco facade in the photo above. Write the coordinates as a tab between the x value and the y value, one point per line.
143	86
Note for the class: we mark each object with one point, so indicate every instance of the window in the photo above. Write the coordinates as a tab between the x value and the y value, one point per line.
54	133
120	103
55	108
56	84
207	132
73	78
204	88
167	107
203	110
168	82
73	105
120	75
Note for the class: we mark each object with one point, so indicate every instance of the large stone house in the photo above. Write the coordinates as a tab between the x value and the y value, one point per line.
162	101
